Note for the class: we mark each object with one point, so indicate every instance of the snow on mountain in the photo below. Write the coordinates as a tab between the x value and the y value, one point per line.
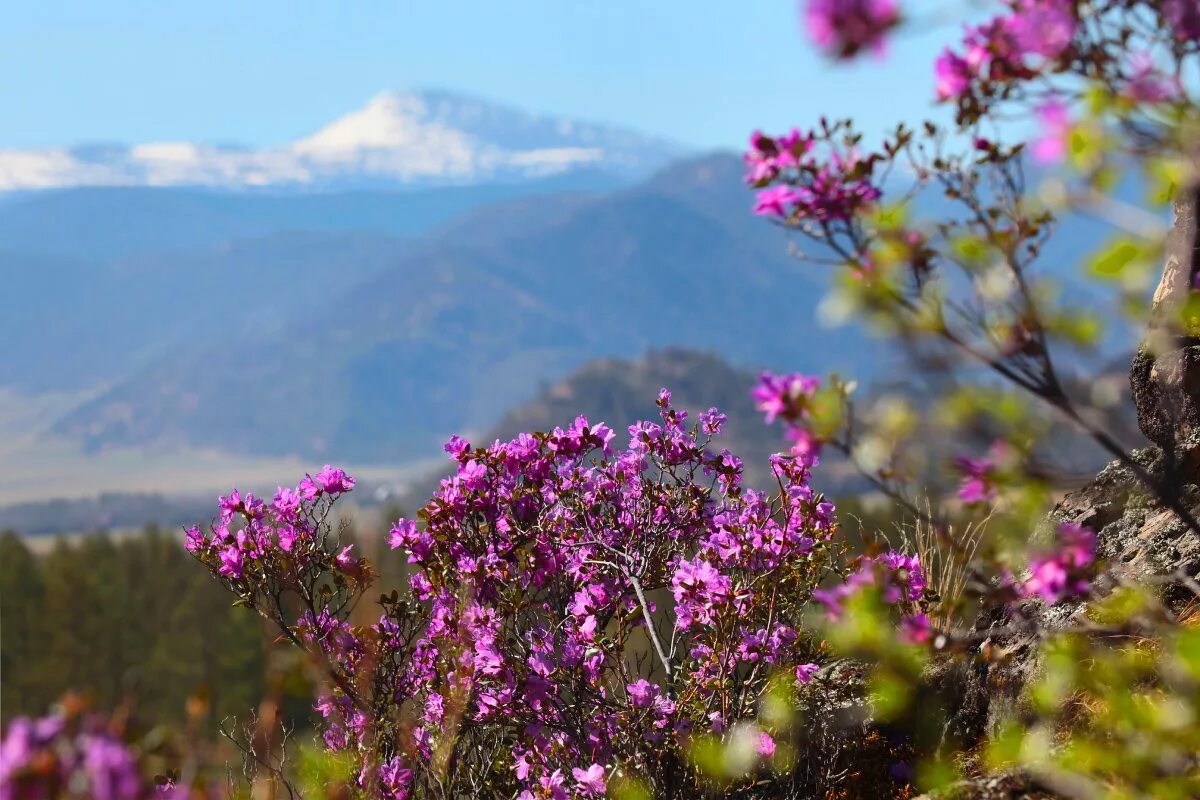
401	138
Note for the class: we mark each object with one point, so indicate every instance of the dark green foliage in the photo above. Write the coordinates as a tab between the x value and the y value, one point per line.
21	638
123	620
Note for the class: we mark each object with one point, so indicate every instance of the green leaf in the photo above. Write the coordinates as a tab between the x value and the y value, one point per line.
1116	258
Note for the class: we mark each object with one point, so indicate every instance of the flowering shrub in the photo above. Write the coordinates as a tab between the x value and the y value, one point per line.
577	615
68	755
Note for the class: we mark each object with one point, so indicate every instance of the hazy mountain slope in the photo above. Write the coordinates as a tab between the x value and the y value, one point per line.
99	224
74	324
459	329
446	333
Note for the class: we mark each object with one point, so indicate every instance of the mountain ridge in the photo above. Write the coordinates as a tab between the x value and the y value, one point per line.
461	326
398	138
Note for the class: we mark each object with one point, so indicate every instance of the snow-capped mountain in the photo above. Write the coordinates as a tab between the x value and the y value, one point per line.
397	138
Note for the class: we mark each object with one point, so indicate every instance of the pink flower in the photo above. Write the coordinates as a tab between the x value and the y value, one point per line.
776	201
346	561
308	488
978	484
288	535
334	481
1043	27
552	786
590	780
805	445
230	505
286	502
457	447
194	540
915	628
712	421
1062	573
698	588
954	75
641	693
784	396
765	746
1051	147
806	672
845	27
232	562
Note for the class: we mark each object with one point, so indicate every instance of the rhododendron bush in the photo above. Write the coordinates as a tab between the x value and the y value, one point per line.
579	614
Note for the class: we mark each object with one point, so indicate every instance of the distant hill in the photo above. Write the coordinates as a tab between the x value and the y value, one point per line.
621	391
102	224
457	327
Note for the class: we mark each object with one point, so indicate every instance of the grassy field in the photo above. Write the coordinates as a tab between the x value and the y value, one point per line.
37	468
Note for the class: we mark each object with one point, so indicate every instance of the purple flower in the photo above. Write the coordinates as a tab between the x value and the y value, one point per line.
978	484
529	527
590	781
915	628
954	75
1063	572
232	562
776	201
308	488
457	447
1051	146
286	502
845	27
288	536
194	540
712	421
783	395
641	693
1184	18
806	672
698	589
1043	27
394	779
334	481
230	505
111	770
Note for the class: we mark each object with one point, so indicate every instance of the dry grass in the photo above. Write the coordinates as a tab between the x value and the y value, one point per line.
946	554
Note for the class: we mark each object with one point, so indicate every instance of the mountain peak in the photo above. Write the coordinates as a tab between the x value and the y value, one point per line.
397	138
388	120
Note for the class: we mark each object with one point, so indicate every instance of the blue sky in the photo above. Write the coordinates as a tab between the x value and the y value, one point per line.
262	72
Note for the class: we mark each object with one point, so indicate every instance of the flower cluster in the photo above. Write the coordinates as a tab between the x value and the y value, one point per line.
1064	570
251	539
899	581
537	568
798	181
1013	46
67	755
789	397
564	515
1036	38
844	28
979	475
